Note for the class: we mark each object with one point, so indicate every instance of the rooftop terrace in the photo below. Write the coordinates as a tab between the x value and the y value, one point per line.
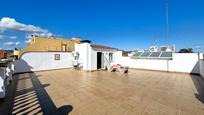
91	93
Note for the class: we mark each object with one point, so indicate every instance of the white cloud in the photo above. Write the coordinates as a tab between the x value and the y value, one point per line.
45	35
11	43
7	24
6	36
49	34
13	37
17	43
11	24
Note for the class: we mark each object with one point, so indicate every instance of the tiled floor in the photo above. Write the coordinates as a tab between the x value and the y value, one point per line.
103	93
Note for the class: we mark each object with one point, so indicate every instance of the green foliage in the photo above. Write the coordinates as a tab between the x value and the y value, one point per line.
186	50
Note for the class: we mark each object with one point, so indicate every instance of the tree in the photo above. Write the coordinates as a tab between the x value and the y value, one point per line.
186	50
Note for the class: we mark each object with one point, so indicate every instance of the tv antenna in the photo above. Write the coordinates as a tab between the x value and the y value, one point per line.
167	18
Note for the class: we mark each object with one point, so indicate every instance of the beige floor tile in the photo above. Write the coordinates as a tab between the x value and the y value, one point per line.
104	93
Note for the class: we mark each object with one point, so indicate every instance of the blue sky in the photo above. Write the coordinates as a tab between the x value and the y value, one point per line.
124	24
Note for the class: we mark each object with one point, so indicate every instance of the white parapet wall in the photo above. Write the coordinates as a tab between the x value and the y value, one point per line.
202	68
36	61
181	62
151	64
185	62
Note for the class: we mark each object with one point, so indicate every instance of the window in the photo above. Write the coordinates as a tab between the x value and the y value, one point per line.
110	57
57	56
64	47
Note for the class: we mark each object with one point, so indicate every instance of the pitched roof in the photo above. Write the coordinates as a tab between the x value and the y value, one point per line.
102	47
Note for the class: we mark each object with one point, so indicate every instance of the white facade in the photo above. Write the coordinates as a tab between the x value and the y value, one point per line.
88	56
36	61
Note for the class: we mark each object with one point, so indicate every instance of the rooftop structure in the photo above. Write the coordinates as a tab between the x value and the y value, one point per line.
93	57
162	48
2	54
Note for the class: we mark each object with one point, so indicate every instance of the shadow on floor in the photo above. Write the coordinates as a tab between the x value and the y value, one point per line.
199	84
26	95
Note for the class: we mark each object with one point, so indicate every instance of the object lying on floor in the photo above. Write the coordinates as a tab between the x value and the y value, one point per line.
118	67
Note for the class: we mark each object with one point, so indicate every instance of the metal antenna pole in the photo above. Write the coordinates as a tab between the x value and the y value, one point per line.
167	19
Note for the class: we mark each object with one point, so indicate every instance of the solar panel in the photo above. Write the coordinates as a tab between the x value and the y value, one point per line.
155	54
145	54
137	54
166	54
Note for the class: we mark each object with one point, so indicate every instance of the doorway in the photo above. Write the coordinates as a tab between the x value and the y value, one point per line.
99	60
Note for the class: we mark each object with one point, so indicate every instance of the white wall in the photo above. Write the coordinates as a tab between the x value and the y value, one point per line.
93	60
84	50
181	62
201	56
185	62
202	68
35	61
151	64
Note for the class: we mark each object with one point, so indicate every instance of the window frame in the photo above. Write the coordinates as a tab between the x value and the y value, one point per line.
57	57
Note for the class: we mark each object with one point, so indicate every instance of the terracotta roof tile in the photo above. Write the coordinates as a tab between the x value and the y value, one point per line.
102	47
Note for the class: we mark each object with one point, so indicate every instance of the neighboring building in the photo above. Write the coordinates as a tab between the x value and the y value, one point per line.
16	53
9	53
130	53
133	52
127	53
3	54
162	48
50	44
